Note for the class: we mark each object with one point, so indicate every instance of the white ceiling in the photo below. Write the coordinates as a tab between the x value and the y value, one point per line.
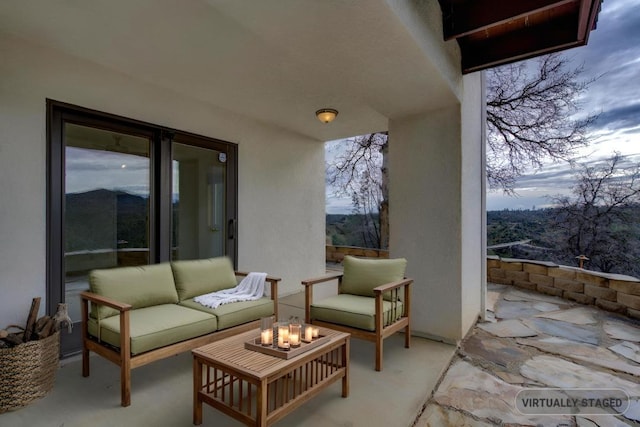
274	60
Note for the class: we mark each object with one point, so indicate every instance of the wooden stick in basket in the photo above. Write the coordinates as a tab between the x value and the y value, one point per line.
31	320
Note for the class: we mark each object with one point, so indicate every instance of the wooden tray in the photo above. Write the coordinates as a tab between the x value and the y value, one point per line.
255	345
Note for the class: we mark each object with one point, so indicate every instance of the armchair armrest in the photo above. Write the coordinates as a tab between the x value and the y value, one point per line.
393	285
308	291
325	278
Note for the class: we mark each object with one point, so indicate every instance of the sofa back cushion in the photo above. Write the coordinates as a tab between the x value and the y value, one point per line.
202	276
361	275
141	286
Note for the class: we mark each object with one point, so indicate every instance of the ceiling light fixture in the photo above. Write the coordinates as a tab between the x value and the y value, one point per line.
326	115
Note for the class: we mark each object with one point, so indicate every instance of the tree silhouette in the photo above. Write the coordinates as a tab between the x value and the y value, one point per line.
531	117
595	220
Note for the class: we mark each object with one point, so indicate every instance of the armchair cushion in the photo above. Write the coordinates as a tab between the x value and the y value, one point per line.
361	275
354	311
202	276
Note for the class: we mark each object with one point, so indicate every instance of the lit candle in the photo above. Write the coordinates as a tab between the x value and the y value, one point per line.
316	332
308	333
294	339
283	336
283	331
266	337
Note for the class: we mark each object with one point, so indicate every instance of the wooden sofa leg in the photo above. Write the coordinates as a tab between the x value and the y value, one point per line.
86	368
125	387
407	337
379	354
125	382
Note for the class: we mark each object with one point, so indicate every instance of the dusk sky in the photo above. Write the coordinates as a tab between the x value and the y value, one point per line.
613	56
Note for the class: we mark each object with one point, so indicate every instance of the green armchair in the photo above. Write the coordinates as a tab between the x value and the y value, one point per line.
373	301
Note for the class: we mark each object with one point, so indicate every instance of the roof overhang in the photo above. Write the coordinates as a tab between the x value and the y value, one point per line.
496	32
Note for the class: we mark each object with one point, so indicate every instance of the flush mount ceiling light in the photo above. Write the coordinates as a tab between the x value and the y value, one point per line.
326	115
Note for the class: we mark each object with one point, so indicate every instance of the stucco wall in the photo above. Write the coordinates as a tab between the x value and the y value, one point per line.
473	234
436	212
425	216
281	175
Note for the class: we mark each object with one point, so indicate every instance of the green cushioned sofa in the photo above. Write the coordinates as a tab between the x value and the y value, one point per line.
373	301
136	315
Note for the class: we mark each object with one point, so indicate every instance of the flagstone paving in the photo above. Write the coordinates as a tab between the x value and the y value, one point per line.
535	342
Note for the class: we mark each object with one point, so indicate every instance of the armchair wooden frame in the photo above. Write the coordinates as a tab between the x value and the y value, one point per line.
382	330
122	356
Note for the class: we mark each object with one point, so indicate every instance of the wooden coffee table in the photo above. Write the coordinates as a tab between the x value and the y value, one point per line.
259	389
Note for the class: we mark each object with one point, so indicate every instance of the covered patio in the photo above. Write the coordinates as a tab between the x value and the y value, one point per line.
531	340
252	74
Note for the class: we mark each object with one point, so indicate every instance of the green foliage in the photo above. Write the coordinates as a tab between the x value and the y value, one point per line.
549	243
349	230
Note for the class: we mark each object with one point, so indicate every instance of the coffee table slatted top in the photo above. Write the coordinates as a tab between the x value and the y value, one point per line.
230	353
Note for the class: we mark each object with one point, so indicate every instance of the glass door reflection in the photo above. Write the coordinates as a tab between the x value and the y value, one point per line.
198	196
106	206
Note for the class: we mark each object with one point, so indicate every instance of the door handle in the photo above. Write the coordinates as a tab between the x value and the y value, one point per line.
231	229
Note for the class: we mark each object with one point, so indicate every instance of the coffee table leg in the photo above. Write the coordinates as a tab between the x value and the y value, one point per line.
197	384
261	409
345	364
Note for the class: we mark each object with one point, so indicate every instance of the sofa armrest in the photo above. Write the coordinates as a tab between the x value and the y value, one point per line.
273	281
325	278
123	309
101	300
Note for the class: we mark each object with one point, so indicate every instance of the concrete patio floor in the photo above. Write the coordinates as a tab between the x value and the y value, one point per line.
162	391
529	341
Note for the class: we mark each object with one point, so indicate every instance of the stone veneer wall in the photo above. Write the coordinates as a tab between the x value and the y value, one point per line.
612	292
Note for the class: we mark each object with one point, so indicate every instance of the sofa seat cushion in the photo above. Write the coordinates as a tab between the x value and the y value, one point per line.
361	275
141	286
155	327
235	313
203	276
354	311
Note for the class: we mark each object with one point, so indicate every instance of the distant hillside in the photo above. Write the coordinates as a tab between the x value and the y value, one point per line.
347	230
508	226
537	226
102	219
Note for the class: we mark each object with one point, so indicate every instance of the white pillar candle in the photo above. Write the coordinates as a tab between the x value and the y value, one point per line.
308	333
266	337
316	332
294	339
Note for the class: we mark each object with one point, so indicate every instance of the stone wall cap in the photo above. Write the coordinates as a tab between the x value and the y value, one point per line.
529	261
610	276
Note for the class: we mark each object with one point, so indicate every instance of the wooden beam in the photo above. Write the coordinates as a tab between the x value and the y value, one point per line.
470	16
519	45
587	17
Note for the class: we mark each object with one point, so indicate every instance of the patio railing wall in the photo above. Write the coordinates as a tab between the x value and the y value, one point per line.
612	292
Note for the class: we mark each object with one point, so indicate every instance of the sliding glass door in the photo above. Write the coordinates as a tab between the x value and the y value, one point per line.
124	193
198	196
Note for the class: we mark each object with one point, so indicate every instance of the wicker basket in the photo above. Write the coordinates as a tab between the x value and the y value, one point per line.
28	371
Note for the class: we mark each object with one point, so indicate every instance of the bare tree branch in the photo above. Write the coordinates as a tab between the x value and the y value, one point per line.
530	118
593	220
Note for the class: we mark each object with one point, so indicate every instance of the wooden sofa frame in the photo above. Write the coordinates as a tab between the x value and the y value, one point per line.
381	331
122	356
